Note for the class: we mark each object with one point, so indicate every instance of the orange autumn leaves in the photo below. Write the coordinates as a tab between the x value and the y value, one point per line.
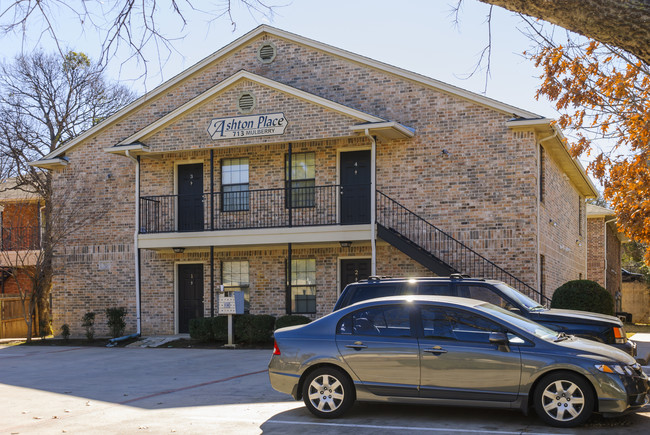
604	95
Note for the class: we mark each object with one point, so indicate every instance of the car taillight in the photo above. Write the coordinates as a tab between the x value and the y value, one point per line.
276	349
619	335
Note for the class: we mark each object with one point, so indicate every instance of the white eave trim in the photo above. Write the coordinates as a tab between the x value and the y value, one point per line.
232	80
57	162
387	129
570	165
134	149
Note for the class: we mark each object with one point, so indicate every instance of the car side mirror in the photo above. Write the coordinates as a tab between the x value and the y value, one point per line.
498	338
501	340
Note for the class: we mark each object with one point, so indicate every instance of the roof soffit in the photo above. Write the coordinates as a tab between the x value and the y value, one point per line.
264	29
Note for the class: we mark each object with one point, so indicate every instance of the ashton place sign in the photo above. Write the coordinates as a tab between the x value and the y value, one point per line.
269	124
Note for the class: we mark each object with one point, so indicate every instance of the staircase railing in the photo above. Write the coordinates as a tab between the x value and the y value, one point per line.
395	217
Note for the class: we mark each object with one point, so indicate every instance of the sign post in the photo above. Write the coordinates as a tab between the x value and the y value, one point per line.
230	303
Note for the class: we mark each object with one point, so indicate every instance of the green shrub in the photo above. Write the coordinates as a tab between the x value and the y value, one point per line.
201	329
116	323
291	320
220	328
65	331
583	295
251	328
88	322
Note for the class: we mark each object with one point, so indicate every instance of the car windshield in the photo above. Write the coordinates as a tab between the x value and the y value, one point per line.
524	300
520	322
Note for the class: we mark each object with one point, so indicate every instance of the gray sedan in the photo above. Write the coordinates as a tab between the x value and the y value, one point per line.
451	351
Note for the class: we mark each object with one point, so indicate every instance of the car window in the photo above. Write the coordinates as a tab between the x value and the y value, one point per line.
463	326
365	292
482	293
427	288
436	323
385	320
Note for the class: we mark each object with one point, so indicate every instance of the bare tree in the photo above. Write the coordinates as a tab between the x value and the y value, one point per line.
134	24
46	100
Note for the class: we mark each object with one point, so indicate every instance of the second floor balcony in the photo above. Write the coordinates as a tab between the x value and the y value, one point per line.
254	209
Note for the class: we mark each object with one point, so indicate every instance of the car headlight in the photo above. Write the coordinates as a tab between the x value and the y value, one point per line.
614	368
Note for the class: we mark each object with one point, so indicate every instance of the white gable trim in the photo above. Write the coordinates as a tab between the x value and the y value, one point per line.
233	80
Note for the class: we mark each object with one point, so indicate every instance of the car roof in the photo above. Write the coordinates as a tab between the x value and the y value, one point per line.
453	278
452	300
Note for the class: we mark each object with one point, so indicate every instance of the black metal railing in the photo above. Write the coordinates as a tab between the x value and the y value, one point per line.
20	238
249	209
426	236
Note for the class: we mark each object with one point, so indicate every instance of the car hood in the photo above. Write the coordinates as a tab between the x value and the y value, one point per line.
574	316
595	350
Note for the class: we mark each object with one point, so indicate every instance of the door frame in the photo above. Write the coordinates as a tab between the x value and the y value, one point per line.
338	268
176	289
339	151
177	163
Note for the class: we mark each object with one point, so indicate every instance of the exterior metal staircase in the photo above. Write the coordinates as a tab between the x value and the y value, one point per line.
437	250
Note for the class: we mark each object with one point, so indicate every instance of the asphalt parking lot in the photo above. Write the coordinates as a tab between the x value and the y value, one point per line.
54	390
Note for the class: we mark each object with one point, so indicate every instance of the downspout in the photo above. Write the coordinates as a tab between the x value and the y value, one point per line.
606	262
539	207
136	249
373	204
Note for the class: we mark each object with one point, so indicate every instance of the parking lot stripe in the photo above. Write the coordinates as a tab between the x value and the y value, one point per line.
406	428
189	387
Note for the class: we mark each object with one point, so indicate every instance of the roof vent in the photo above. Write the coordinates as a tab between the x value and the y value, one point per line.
266	53
246	102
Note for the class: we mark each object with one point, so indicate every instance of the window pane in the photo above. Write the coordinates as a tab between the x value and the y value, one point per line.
234	171
436	324
471	327
235	197
387	321
303	166
482	294
303	272
235	278
303	299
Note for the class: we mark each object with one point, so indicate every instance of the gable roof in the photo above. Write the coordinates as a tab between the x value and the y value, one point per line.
233	80
264	29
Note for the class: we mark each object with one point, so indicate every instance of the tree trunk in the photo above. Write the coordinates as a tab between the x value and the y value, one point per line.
621	23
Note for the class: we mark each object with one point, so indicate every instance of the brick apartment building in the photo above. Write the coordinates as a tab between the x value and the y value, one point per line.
265	167
20	237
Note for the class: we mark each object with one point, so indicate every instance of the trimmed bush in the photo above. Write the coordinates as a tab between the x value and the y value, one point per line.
116	323
220	328
250	328
583	295
201	329
88	322
65	331
291	320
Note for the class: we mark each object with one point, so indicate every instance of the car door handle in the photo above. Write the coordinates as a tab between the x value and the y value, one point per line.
356	346
435	350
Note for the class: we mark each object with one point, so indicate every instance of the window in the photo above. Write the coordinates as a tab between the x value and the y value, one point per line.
457	325
234	184
234	277
384	321
303	286
482	294
303	174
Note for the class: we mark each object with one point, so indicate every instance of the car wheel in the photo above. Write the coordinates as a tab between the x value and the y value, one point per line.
328	392
563	399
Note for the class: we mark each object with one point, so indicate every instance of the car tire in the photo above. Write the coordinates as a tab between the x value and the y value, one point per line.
563	399
328	392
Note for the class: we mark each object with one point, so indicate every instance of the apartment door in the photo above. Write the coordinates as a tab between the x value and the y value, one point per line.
190	295
353	270
355	187
190	197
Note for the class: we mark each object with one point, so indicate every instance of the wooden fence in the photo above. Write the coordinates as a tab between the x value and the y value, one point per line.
12	320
